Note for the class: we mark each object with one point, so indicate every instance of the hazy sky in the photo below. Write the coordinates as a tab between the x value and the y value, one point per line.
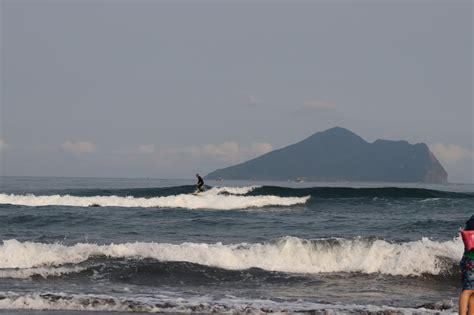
168	89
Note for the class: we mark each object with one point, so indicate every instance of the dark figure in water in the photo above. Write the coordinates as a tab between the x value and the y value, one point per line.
200	183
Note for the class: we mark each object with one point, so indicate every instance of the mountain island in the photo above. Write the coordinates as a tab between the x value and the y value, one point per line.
338	154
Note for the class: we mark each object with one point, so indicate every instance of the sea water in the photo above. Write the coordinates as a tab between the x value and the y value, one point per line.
150	245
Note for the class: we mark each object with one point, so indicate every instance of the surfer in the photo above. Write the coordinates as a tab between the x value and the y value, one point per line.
200	183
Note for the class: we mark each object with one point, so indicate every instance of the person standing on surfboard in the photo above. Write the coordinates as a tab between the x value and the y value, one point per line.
200	183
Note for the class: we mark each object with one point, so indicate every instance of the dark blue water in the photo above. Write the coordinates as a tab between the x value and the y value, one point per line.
151	245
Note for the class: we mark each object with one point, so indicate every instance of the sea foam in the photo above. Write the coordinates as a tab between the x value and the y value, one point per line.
232	190
288	254
202	304
212	199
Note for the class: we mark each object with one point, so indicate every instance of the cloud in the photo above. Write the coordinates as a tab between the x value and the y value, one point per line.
225	151
260	148
229	152
3	145
146	149
450	153
315	106
253	101
78	147
458	161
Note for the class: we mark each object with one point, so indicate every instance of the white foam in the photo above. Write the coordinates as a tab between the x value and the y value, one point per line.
232	190
44	272
35	301
289	254
201	304
189	201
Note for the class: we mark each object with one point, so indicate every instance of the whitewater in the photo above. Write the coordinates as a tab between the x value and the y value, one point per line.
153	246
212	199
288	254
169	304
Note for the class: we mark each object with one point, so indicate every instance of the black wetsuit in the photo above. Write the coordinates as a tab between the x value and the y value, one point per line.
200	183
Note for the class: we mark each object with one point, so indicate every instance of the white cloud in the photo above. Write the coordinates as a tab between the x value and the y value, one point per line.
450	153
146	148
458	161
78	147
254	101
3	145
260	148
225	150
229	152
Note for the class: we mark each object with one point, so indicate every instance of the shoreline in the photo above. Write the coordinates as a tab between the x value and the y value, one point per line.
324	311
68	312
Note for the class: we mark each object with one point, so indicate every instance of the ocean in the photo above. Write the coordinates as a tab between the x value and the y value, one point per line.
150	245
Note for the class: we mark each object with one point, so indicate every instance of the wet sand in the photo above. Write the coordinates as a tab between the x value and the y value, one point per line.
313	312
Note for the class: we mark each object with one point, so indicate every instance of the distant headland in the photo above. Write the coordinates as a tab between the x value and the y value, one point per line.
338	154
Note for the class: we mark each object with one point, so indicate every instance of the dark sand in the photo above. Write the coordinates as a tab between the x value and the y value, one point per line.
314	312
45	312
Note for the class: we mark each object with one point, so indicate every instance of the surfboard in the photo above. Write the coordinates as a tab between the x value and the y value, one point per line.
198	192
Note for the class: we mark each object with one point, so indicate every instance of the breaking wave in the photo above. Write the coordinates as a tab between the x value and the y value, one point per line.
212	199
232	190
288	254
219	198
320	192
44	272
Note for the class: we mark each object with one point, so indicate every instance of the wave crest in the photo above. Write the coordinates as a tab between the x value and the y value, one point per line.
289	254
232	190
208	200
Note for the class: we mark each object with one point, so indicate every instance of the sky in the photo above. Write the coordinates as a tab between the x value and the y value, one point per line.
165	89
